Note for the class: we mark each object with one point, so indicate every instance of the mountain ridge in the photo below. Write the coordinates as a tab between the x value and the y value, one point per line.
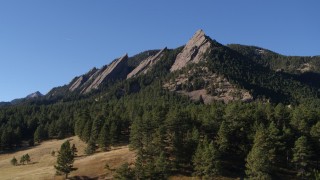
196	51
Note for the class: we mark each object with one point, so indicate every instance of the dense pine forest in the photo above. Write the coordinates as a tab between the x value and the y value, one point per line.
274	136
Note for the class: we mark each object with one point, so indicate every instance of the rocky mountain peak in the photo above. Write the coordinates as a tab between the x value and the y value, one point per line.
193	51
34	95
200	33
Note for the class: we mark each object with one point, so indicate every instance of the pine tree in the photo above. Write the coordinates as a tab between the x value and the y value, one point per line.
38	134
161	167
315	134
5	140
91	148
17	136
14	161
315	131
113	133
65	159
301	157
124	172
74	150
23	159
281	114
52	130
96	127
206	160
258	164
27	158
86	134
275	144
80	125
136	134
198	161
223	137
103	139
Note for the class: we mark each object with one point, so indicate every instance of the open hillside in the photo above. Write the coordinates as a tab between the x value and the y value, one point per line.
42	162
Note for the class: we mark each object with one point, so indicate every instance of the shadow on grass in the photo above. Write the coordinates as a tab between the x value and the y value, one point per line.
31	163
23	148
82	178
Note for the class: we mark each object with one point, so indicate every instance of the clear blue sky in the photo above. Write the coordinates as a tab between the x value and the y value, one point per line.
45	43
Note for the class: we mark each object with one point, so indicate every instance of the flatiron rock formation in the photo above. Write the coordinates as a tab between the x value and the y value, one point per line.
193	52
146	64
79	81
108	72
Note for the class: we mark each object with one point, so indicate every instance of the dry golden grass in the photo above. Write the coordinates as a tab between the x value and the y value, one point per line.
42	163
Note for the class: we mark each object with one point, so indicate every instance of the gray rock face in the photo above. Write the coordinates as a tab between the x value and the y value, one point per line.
76	84
146	64
193	51
108	72
79	81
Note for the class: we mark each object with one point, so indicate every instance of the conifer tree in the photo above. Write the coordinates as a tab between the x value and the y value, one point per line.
315	131
17	136
113	133
27	158
82	119
124	172
37	137
315	134
91	148
103	139
223	137
14	161
258	164
206	160
301	157
65	160
86	134
23	159
96	127
74	150
161	166
5	139
275	144
52	130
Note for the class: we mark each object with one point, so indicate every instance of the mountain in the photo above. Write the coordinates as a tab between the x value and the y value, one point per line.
278	62
223	108
31	97
34	95
215	73
202	69
5	104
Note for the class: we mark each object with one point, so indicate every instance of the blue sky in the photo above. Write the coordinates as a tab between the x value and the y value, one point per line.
46	43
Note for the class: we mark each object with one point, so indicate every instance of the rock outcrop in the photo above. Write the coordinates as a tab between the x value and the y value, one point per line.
207	85
34	95
108	72
146	64
193	52
79	81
